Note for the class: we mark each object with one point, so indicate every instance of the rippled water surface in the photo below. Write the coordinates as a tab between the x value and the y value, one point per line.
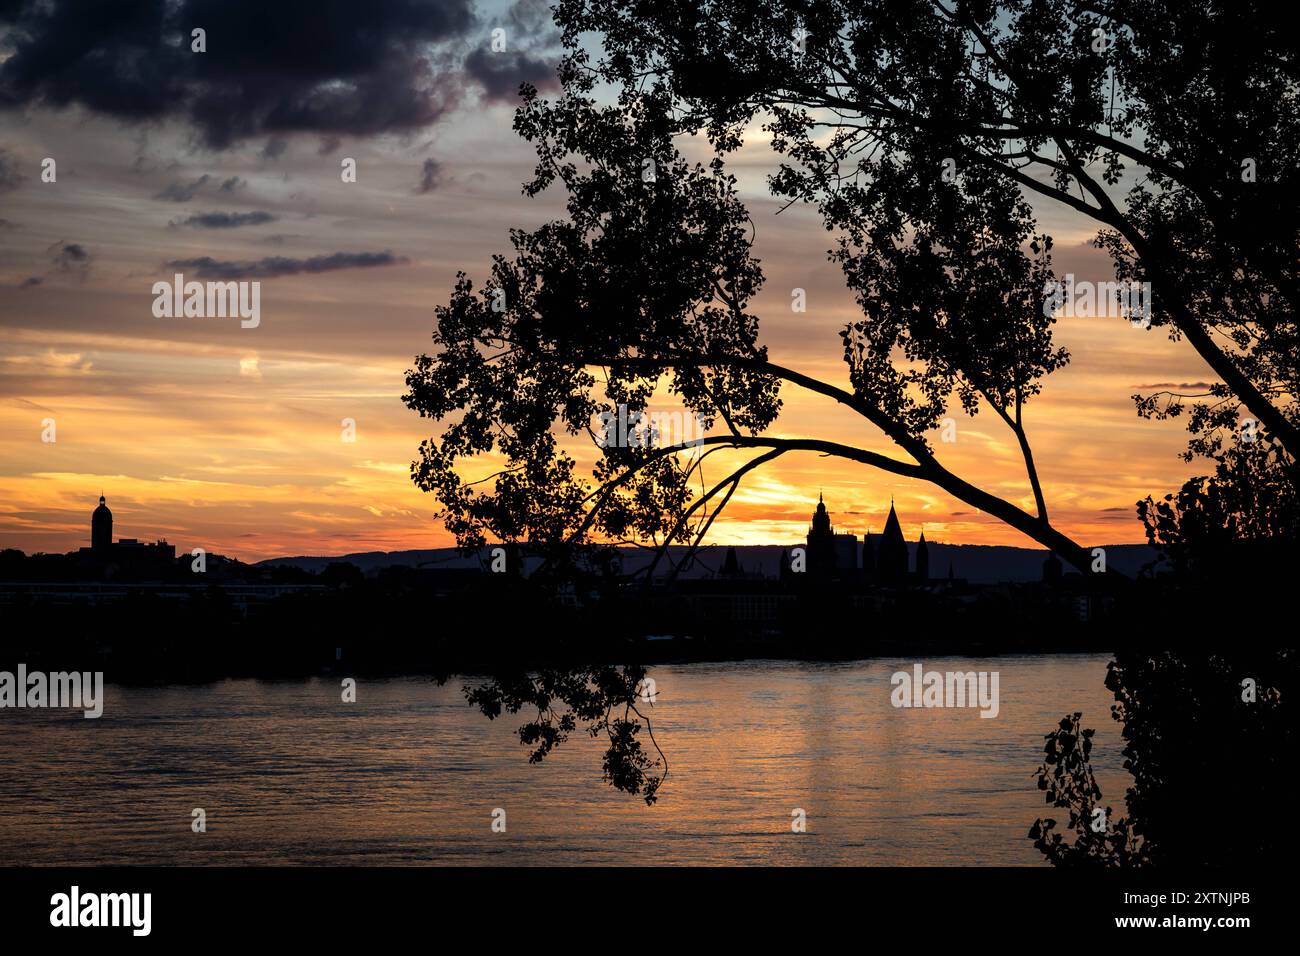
410	774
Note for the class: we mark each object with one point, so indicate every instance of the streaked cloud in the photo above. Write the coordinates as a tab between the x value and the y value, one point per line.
182	192
205	267
225	220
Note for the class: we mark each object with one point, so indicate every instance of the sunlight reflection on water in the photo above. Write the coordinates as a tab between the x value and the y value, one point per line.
410	774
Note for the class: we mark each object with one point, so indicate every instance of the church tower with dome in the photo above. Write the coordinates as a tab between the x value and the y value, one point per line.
821	541
101	530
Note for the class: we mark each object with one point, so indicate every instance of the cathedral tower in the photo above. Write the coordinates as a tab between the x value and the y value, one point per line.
101	530
891	553
821	542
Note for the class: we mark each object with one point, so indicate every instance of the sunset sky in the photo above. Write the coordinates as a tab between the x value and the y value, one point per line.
216	436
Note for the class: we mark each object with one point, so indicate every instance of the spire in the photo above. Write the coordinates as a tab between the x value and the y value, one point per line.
892	527
891	552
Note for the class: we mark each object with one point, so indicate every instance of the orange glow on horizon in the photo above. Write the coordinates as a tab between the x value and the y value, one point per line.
229	439
258	467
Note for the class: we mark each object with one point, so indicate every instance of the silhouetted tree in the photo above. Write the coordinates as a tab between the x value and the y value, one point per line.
1238	525
916	129
1207	739
647	285
1067	781
604	699
341	574
1192	106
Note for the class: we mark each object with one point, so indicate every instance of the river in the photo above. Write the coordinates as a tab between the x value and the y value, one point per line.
286	773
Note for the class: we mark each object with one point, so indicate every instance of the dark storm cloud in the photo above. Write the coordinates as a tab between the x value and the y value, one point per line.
205	267
10	177
233	183
532	50
529	22
501	73
225	220
430	176
319	66
183	192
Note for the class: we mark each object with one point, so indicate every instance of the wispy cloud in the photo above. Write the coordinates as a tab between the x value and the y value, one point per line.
10	177
1181	386
225	220
430	176
205	267
182	192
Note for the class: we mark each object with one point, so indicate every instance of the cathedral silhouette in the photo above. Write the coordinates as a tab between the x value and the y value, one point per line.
883	560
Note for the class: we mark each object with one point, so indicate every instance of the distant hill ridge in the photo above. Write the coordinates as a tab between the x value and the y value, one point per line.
977	563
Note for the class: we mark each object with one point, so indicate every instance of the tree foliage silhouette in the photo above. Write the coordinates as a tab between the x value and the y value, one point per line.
1205	755
1139	117
604	699
1067	780
648	285
1171	125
